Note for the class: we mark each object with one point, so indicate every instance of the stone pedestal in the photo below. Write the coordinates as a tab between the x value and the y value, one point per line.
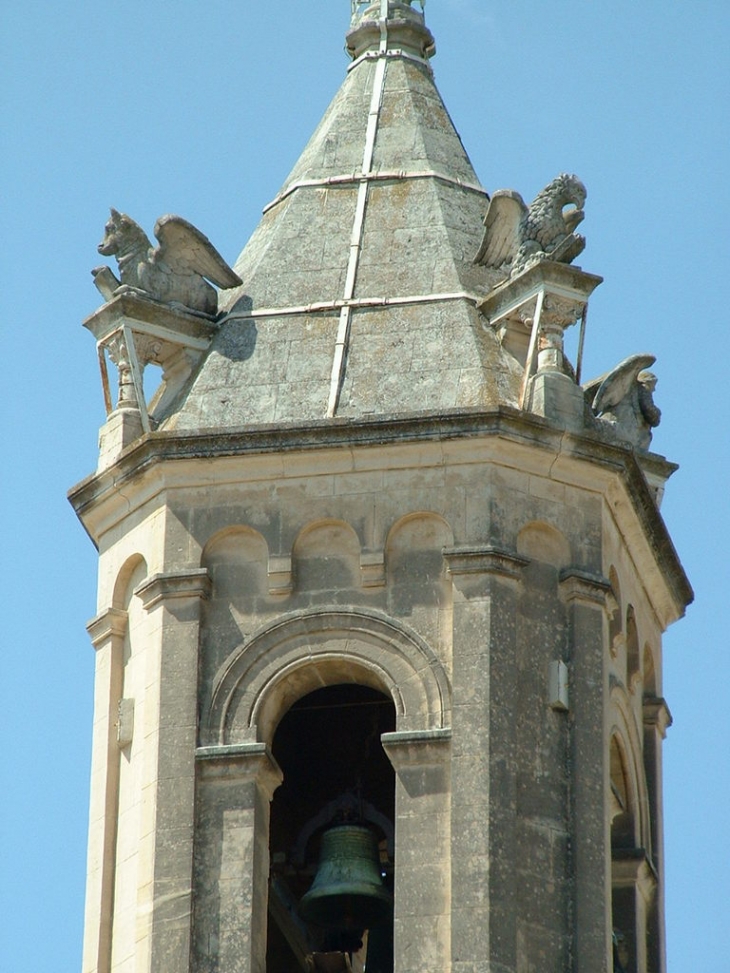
556	396
122	428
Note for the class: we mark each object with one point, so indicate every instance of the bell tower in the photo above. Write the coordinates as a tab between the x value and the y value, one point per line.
383	578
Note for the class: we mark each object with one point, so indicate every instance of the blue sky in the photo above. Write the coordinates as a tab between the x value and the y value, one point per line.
201	109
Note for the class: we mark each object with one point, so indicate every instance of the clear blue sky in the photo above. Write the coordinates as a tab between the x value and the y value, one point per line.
200	109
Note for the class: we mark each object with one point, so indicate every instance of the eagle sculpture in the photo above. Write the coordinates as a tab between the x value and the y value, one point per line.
172	273
517	235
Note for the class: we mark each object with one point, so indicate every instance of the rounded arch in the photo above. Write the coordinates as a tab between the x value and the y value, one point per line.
128	577
649	672
415	564
625	732
540	541
307	650
237	559
615	624
434	530
234	537
633	661
326	556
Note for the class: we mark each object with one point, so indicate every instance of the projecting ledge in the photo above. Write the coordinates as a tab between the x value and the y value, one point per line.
240	762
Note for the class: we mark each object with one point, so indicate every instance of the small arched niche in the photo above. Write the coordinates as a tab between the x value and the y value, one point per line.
633	660
326	558
649	673
237	561
335	772
539	541
615	624
131	574
415	564
623	824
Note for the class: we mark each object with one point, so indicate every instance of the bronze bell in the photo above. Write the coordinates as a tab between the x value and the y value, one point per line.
347	891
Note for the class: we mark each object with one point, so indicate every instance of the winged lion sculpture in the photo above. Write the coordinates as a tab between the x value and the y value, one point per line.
517	235
174	273
625	398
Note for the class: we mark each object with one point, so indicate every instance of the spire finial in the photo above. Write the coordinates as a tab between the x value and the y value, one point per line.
399	20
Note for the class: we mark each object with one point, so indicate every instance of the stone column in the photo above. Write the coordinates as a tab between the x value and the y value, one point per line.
484	786
422	860
586	598
657	720
107	633
235	787
168	775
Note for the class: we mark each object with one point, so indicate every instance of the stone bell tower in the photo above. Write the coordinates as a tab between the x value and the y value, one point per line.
375	556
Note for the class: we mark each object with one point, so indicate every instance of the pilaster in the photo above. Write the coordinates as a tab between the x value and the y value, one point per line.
484	787
657	720
585	596
168	774
235	787
422	855
107	633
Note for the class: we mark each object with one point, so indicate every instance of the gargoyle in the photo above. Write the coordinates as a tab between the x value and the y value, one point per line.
517	235
173	273
625	398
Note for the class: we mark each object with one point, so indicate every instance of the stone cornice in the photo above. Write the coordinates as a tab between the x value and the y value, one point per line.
633	867
485	560
243	762
418	748
584	588
505	424
106	625
191	583
656	713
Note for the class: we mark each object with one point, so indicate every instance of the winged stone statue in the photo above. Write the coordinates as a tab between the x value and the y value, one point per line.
173	273
625	398
517	235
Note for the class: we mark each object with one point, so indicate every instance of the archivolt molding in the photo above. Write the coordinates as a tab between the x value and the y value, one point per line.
303	651
625	728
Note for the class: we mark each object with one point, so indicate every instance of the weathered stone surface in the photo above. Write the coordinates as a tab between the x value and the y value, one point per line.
416	544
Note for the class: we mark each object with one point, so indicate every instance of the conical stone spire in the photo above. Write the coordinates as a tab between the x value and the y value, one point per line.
360	290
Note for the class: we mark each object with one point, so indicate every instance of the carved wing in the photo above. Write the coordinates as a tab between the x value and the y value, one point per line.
502	223
619	382
187	251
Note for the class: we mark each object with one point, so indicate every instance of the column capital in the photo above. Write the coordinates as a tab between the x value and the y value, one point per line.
189	583
485	560
584	588
632	868
107	624
417	748
656	713
240	763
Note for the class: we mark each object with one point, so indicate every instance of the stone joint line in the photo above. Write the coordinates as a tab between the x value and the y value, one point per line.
355	178
353	304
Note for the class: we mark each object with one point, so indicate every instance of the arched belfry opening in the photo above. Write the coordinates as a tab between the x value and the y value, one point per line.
338	785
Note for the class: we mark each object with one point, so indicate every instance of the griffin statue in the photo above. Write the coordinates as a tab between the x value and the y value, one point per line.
172	273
